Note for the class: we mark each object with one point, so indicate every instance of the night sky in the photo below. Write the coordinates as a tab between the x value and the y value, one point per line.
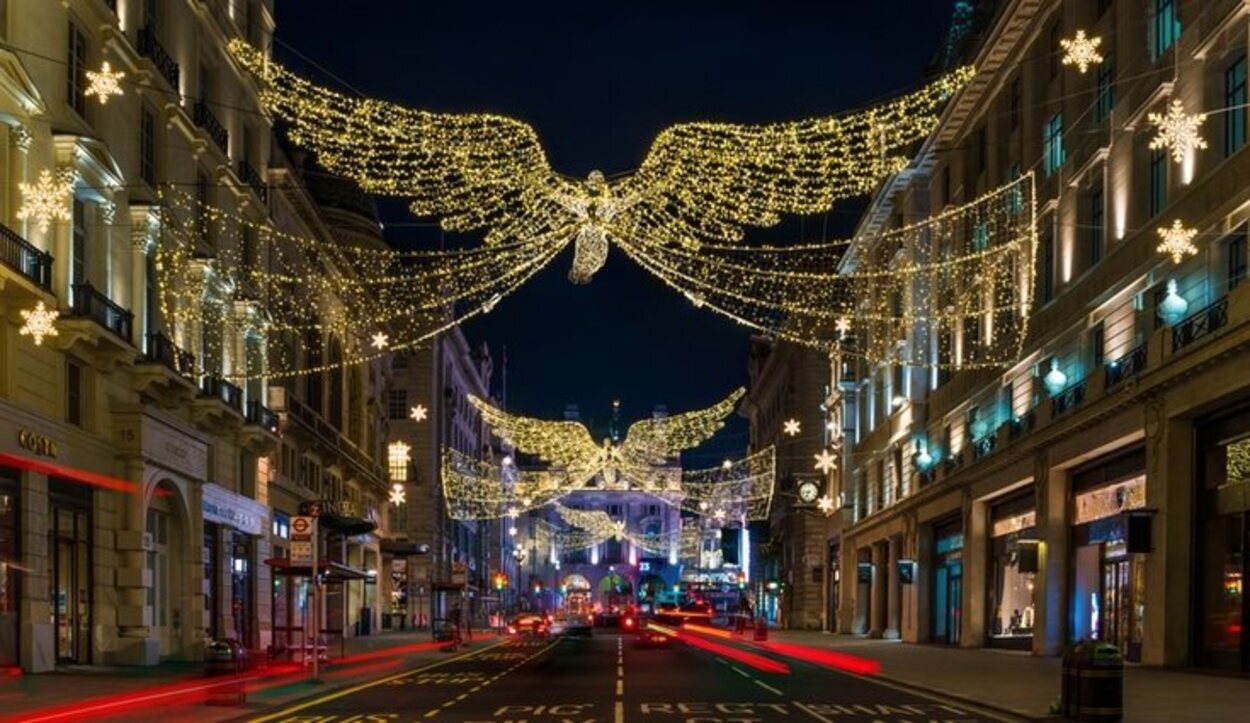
598	82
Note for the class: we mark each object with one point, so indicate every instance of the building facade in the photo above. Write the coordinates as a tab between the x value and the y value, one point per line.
1095	488
137	479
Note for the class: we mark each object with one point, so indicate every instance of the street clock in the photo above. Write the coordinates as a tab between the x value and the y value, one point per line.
809	490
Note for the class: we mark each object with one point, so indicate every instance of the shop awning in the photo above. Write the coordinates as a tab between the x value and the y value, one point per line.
332	571
403	549
345	525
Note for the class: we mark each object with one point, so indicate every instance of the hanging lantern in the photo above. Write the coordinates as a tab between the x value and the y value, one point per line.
1173	308
1055	380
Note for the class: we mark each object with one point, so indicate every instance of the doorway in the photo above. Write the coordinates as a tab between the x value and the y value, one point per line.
948	584
70	539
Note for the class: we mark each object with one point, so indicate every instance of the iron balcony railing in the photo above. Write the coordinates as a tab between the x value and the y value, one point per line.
1129	365
984	446
91	304
953	462
162	350
229	394
1068	399
151	48
204	118
20	255
1022	425
262	416
1201	324
249	175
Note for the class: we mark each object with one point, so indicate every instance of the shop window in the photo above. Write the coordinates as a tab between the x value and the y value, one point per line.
1013	531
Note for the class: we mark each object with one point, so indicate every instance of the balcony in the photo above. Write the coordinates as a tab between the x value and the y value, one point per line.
1021	425
223	391
984	446
1067	400
1129	365
23	257
162	350
951	464
203	117
249	175
309	422
91	304
166	373
1200	325
261	416
151	48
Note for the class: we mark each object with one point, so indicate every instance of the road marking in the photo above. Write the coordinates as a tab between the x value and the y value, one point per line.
620	671
620	687
740	671
810	712
462	696
766	686
365	686
722	661
620	712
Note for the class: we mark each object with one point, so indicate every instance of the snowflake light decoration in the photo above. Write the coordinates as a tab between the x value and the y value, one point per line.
792	427
1178	241
105	83
825	504
398	495
380	340
825	461
418	413
1177	130
1081	51
843	325
39	323
46	200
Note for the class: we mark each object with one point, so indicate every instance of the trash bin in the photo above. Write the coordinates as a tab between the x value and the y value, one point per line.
1093	683
761	629
226	658
445	632
366	621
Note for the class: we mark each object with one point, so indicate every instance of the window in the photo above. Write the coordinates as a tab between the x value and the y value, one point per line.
1158	181
1097	344
78	250
151	20
1166	27
1237	259
147	146
76	66
73	393
1056	50
201	205
983	149
398	456
1048	268
1015	103
1235	99
1097	226
249	249
1015	199
397	404
1052	145
1106	91
281	525
946	185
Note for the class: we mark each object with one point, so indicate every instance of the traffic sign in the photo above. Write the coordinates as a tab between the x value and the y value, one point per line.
302	528
301	554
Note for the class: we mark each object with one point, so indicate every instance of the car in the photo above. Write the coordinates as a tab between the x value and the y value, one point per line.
571	624
528	624
654	634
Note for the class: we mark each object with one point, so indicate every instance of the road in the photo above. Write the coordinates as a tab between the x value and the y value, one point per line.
609	679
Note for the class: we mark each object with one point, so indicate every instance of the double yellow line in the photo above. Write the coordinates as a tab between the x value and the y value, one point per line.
365	686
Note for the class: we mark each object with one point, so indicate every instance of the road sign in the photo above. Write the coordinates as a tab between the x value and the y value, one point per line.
302	528
303	535
301	554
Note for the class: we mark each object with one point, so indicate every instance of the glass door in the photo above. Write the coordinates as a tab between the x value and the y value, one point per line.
71	585
10	592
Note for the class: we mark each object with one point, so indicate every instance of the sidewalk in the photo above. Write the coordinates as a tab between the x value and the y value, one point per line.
1027	684
172	691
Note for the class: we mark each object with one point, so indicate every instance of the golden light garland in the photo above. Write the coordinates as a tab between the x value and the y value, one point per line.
48	199
1177	241
700	182
733	495
639	461
475	489
963	277
1177	130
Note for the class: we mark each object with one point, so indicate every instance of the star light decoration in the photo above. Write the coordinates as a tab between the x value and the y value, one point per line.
1177	130
46	200
1178	241
380	341
398	495
792	427
1081	51
843	325
39	323
105	83
826	461
825	504
418	413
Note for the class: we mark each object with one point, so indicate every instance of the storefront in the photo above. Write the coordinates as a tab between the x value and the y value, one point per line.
1223	550
947	589
232	525
1108	585
1012	568
10	555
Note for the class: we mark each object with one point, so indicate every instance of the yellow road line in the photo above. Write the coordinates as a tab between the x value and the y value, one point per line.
462	696
365	686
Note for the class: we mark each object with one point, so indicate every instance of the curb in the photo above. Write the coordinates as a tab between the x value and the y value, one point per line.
1006	713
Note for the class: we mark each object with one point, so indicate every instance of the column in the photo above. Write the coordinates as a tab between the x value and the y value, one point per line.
136	645
848	587
894	607
976	575
1050	592
140	239
876	608
1170	480
37	649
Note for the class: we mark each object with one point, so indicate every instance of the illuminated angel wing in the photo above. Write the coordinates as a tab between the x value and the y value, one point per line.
705	182
564	444
473	171
653	442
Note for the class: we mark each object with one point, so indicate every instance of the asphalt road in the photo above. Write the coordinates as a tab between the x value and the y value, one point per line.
609	679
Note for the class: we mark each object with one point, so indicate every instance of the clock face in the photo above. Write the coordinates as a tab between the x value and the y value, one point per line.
809	491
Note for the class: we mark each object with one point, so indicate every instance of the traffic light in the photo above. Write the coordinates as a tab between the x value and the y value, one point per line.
501	580
538	587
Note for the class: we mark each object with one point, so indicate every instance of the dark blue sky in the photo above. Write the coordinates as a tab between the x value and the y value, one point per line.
598	81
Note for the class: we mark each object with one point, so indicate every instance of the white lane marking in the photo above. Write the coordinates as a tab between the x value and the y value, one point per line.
620	687
766	686
722	661
620	671
620	712
741	672
810	712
